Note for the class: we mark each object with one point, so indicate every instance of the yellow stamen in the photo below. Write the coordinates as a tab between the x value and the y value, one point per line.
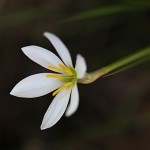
62	87
55	68
67	70
54	76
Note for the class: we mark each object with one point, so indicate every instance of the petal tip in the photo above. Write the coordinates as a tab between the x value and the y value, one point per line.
27	47
44	126
67	114
46	34
70	113
23	48
12	92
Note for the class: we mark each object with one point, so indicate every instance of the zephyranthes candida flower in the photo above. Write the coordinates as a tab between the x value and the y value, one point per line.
63	82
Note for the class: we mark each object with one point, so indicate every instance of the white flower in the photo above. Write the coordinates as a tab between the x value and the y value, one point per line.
64	82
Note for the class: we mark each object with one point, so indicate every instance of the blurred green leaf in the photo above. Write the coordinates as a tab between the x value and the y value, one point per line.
107	10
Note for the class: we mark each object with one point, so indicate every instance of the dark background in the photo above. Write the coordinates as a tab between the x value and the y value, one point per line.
114	112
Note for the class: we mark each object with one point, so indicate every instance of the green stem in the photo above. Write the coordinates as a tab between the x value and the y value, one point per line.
130	60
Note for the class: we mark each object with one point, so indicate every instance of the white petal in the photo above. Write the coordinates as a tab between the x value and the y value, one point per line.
61	49
56	109
80	66
74	102
35	86
41	56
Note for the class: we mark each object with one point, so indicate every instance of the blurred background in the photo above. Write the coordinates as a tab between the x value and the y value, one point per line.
114	112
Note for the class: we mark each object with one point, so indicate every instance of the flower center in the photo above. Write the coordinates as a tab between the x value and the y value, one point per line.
67	75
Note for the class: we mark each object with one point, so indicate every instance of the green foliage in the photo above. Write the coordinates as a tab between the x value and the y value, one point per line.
107	10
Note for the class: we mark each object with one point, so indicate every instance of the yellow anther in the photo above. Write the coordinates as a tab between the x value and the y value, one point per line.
54	76
67	70
55	68
62	87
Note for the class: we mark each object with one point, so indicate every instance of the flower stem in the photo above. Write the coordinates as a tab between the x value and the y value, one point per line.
120	65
